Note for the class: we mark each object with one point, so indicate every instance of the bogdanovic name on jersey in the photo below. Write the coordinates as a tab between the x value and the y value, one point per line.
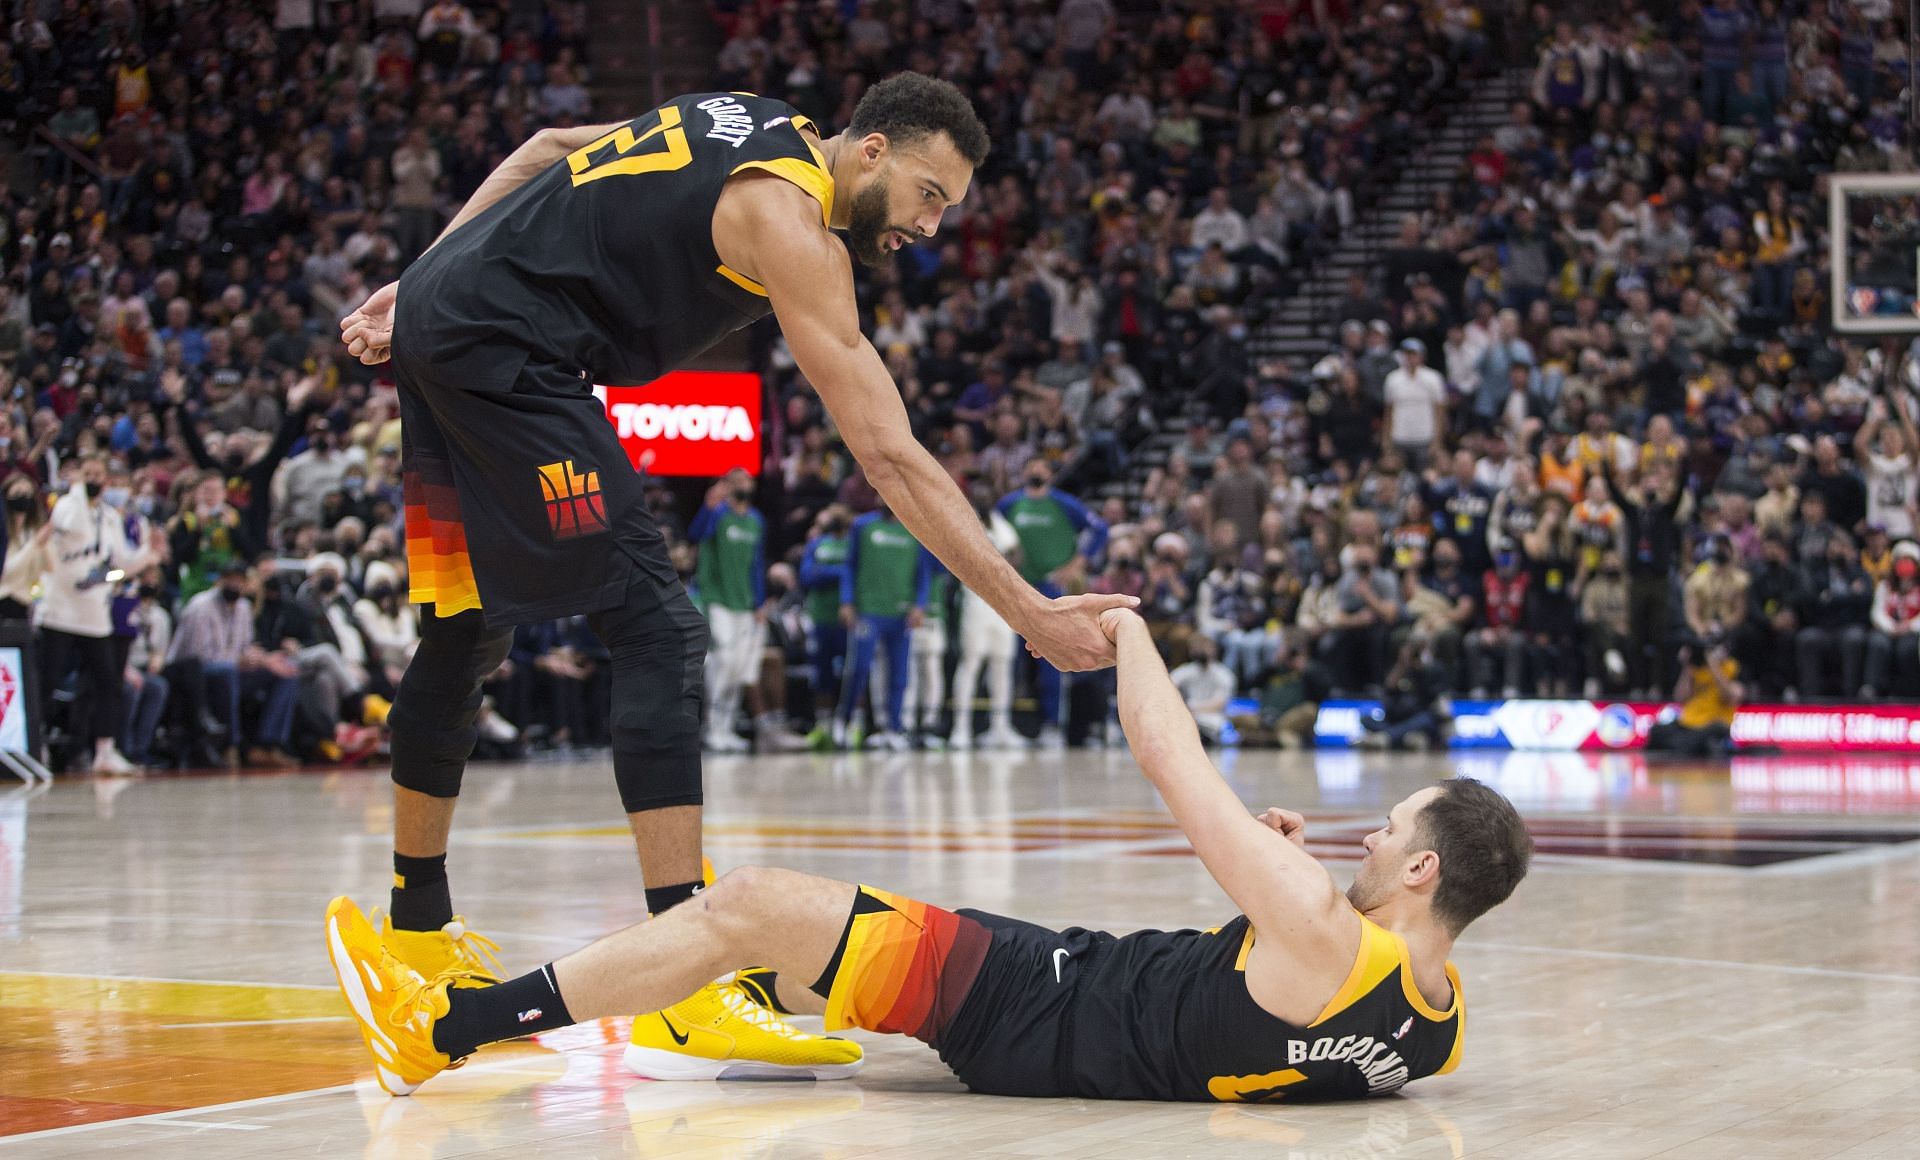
1382	1065
730	120
710	421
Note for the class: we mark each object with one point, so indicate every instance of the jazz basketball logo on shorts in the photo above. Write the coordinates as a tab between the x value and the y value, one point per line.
574	504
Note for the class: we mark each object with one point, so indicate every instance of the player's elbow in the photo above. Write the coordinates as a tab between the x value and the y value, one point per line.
1157	759
886	456
887	473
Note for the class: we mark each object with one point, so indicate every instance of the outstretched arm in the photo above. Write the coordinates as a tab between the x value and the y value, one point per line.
1281	887
808	281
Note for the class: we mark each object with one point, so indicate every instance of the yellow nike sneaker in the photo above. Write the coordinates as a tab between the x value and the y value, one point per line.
719	1033
394	1005
473	958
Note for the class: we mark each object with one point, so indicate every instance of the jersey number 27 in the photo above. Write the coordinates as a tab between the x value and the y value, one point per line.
624	159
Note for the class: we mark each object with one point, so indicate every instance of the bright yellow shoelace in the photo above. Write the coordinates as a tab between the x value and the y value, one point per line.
479	955
413	1000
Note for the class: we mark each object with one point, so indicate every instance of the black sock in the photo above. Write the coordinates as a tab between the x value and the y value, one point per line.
482	1015
661	899
420	897
762	986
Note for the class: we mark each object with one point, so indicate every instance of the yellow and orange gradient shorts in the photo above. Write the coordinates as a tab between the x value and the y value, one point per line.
903	967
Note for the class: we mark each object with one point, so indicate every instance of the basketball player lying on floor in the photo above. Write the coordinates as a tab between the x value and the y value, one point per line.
1309	994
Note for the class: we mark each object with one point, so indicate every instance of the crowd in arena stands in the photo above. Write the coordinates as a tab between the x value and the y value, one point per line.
1581	430
203	501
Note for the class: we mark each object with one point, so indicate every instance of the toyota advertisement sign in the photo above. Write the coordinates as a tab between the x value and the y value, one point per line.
699	423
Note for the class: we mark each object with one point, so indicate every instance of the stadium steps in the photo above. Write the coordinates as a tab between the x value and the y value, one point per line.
643	53
1300	329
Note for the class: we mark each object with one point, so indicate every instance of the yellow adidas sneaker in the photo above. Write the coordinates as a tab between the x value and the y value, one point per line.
473	958
394	1005
719	1033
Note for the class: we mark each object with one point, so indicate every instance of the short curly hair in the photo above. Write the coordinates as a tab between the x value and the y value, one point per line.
910	107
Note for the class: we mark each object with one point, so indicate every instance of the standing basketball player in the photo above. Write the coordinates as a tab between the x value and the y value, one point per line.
613	254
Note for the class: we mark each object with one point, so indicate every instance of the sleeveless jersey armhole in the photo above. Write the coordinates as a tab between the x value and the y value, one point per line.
1379	956
810	176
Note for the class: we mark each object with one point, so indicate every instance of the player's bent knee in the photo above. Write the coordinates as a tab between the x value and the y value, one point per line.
742	899
727	905
746	882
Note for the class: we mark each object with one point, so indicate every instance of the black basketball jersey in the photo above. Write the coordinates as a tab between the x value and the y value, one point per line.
605	262
1167	1015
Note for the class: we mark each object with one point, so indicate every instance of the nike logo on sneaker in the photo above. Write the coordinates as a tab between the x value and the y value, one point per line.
1060	956
674	1031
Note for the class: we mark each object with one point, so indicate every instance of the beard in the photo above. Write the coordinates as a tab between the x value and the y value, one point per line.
1367	891
867	225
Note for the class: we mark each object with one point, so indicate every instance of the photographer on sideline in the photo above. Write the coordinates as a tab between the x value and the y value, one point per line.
88	546
1710	692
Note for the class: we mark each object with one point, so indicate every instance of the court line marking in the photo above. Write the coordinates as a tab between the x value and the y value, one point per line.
1866	855
160	979
204	1124
1686	960
237	1105
256	1022
84	919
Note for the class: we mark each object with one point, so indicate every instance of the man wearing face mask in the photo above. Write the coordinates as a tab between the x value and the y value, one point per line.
300	487
1714	597
731	585
354	500
88	544
214	651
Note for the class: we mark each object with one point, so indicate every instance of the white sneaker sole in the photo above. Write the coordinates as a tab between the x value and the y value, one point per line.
354	987
655	1063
